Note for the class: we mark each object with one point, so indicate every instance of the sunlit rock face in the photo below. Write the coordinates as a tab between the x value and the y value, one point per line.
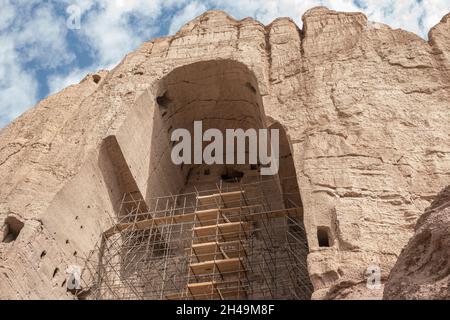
364	108
423	268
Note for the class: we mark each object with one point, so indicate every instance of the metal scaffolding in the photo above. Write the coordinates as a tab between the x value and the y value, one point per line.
238	241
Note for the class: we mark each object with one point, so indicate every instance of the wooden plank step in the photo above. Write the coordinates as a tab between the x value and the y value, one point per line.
217	290
218	216
226	231
174	296
226	199
203	291
209	217
218	250
224	267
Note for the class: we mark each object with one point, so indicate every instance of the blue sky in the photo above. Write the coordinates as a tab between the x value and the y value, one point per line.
41	52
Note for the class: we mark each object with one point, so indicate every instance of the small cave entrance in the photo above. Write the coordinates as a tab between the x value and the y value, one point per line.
12	228
323	237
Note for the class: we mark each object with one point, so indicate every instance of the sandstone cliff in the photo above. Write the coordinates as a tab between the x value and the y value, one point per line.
365	107
423	268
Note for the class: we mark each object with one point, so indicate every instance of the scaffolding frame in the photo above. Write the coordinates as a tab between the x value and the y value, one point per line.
234	242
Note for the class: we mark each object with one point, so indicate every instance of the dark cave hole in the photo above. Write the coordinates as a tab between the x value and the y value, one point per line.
13	226
96	78
323	237
163	101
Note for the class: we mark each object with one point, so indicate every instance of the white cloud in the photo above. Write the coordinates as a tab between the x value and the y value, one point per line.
32	35
42	37
113	28
397	14
18	88
8	13
188	13
435	10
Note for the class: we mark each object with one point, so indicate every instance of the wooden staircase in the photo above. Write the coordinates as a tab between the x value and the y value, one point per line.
217	264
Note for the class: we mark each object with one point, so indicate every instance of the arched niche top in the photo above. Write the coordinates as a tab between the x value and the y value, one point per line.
227	84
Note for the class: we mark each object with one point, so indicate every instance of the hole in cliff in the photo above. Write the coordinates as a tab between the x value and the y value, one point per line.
43	254
96	78
55	272
323	237
163	101
12	229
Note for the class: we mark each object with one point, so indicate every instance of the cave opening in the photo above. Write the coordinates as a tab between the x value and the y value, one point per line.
224	94
323	237
12	228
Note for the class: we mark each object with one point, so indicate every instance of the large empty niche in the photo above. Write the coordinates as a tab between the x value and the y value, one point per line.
223	94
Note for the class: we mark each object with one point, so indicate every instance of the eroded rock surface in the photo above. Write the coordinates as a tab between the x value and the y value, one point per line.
365	107
423	268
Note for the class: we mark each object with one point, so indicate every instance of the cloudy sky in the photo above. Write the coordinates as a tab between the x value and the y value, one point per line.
46	45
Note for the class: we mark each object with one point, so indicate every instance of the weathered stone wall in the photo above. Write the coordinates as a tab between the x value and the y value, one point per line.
422	270
366	109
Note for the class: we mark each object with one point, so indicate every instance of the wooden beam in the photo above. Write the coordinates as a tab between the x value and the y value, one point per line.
217	290
203	290
218	250
226	231
226	199
223	267
188	218
174	296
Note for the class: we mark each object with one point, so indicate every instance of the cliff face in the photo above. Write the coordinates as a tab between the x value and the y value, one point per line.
423	268
365	107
